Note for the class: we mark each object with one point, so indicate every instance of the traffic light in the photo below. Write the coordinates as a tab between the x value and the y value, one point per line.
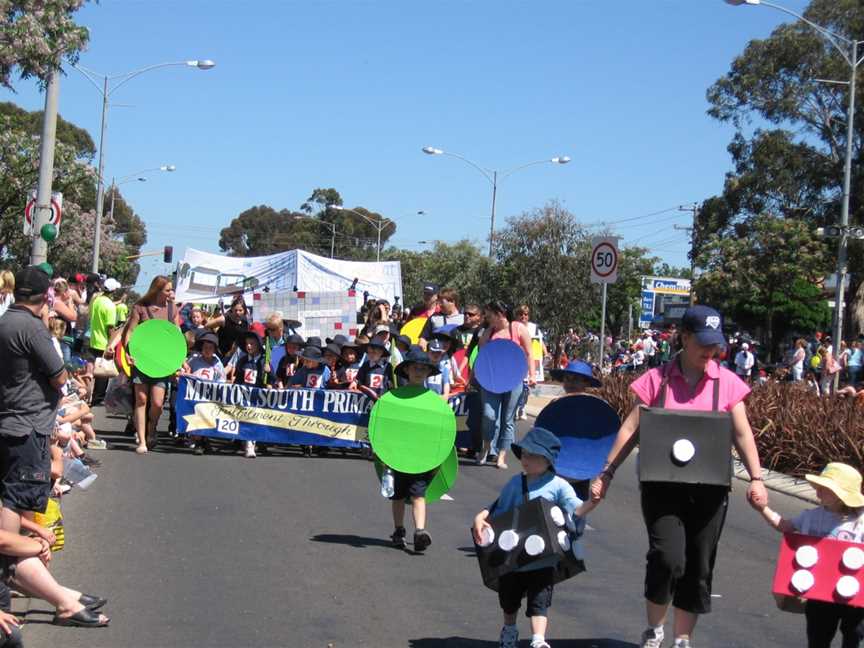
168	254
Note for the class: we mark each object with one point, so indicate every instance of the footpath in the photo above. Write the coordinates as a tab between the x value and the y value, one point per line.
775	481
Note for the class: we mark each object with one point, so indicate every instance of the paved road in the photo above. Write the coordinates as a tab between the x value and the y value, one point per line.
286	551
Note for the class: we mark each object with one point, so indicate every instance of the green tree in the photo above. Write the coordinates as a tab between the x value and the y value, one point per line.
36	34
262	230
794	168
766	276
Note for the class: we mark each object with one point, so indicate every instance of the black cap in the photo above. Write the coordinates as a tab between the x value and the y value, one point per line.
333	348
430	288
206	337
314	341
706	323
337	339
30	281
419	357
312	353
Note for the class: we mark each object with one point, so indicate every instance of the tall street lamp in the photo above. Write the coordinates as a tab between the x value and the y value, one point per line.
379	224
106	89
848	49
133	177
492	176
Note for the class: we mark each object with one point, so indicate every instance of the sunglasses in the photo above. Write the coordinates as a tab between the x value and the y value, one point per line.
472	314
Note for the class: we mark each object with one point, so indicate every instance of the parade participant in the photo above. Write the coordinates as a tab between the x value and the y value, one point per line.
417	368
576	377
684	521
290	361
470	328
7	290
537	453
440	382
840	515
448	313
155	304
429	305
351	364
855	363
523	314
314	373
30	390
499	410
373	379
230	325
799	360
247	368
332	358
206	365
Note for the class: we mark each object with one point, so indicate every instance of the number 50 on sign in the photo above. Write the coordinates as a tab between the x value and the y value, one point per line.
604	259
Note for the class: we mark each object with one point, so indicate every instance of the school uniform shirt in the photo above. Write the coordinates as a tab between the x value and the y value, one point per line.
249	370
436	383
375	376
550	487
316	378
201	368
348	373
821	522
286	368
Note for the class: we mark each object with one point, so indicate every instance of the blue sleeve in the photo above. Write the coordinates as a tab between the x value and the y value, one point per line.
325	377
445	376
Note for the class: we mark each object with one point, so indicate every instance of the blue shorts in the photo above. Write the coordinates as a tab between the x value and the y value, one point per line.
25	472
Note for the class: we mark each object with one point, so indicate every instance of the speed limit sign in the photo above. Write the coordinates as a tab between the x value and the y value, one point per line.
604	259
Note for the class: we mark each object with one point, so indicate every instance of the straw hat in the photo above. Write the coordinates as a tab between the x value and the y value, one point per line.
842	480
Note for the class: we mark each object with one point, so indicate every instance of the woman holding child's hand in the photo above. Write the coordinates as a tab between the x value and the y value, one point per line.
684	521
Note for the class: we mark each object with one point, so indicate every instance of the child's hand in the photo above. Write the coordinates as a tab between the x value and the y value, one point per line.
47	535
480	526
757	496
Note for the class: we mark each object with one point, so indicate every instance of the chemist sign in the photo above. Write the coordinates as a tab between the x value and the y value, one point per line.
604	259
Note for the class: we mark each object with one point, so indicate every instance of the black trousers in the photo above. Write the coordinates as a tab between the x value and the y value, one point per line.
684	523
823	619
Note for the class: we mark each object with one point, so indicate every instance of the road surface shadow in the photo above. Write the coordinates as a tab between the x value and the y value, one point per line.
360	542
462	642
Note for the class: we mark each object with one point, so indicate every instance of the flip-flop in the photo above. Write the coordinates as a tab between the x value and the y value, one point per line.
94	603
83	618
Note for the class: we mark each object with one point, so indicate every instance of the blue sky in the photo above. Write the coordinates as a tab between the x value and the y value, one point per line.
344	94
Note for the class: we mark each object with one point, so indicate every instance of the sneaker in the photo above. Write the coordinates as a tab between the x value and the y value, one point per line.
398	538
652	638
422	540
198	449
250	450
90	461
540	644
509	637
97	444
681	643
480	459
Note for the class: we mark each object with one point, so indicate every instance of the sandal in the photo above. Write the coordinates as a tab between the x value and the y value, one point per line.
141	449
83	618
93	603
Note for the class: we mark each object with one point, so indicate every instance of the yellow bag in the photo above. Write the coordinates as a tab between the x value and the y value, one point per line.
52	519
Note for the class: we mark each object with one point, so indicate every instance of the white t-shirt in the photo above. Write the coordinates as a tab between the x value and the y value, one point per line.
649	346
744	363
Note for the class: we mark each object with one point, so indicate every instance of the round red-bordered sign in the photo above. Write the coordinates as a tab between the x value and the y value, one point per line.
601	248
56	212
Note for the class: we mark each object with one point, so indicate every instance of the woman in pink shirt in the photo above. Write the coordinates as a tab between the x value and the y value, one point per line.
684	521
499	410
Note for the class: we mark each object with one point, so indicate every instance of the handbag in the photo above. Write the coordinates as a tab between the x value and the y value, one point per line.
104	368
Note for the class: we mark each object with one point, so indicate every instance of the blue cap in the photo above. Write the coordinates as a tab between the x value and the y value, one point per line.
435	345
706	323
580	369
539	441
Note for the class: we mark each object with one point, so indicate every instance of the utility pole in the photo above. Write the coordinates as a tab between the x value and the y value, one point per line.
39	248
694	209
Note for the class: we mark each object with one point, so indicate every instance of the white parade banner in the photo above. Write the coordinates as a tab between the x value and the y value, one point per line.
30	211
604	259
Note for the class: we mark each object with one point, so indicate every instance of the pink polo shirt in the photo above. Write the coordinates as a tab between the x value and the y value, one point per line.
680	396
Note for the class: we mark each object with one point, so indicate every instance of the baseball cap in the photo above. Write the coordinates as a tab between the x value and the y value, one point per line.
381	328
706	323
31	281
111	284
435	345
430	288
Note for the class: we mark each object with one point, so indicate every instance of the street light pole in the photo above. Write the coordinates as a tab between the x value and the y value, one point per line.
492	177
39	247
379	224
106	91
849	55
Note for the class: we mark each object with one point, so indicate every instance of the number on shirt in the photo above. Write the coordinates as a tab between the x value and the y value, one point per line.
376	381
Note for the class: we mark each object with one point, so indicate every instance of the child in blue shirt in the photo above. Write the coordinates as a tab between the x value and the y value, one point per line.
373	378
537	453
839	516
313	374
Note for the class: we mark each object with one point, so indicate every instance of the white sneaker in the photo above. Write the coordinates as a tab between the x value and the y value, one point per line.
509	637
681	643
540	644
250	449
652	638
